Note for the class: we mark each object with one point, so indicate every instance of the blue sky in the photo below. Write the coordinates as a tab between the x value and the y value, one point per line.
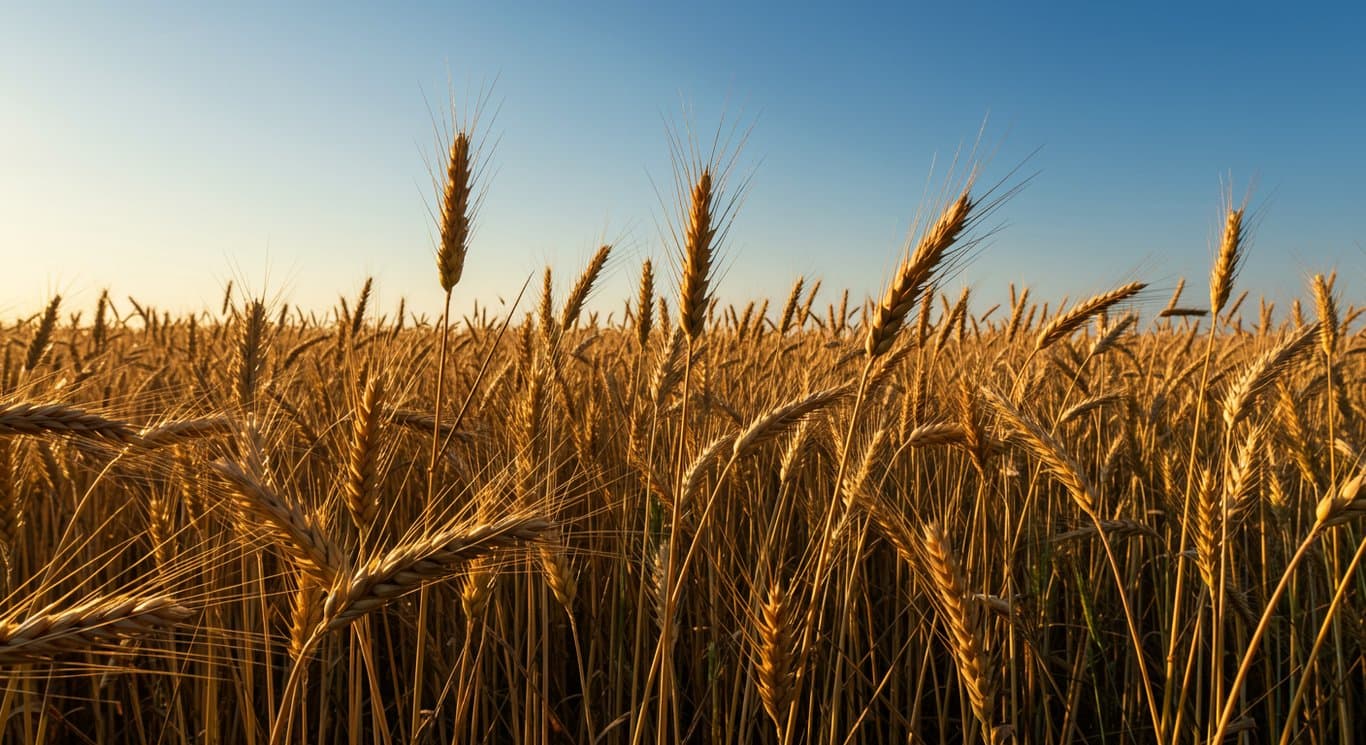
163	149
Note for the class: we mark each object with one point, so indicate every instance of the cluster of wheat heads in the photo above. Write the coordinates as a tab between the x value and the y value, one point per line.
895	521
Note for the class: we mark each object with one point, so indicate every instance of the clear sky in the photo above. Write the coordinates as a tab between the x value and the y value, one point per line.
161	149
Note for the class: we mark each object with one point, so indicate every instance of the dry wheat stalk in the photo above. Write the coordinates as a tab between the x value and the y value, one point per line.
935	433
251	354
664	322
975	438
305	614
423	422
95	621
776	678
298	350
1348	504
432	558
780	419
358	317
161	512
1176	295
311	550
1017	308
358	488
1121	528
1259	374
790	307
915	274
42	337
1183	313
855	488
645	305
893	528
1225	268
1244	475
1208	528
456	212
668	373
99	330
1110	337
11	511
545	310
697	255
59	419
559	574
1326	306
573	304
181	432
1044	446
795	452
960	616
701	464
804	313
477	588
1081	408
1063	324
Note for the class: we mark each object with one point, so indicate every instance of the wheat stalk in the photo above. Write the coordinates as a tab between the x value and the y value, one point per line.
780	419
915	274
251	354
777	639
1063	324
1225	269
698	236
358	489
433	558
85	625
457	210
959	615
1326	306
60	419
645	304
1043	445
573	305
42	337
1258	375
178	433
301	538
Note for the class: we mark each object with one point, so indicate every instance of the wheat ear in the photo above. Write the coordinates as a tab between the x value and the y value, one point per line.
87	624
433	558
780	419
1258	376
456	212
697	256
1326	306
42	338
645	304
59	419
178	433
302	540
573	305
959	613
776	679
1044	446
1063	324
915	273
361	458
1225	268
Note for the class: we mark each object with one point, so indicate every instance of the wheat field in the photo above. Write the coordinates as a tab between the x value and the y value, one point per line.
815	520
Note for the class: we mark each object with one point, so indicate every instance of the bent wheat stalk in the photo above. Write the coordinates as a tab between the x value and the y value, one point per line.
60	419
79	628
397	572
